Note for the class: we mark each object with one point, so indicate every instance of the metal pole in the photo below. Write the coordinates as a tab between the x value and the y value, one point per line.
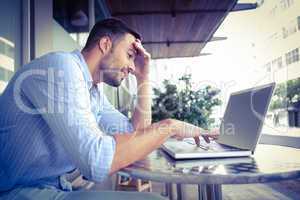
209	192
91	14
179	191
25	51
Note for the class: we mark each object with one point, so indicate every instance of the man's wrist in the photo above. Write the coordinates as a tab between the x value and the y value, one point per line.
166	126
143	78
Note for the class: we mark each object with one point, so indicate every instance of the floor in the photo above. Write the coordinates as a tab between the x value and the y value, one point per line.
285	190
282	131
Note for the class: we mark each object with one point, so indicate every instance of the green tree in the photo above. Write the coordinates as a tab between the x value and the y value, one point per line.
286	94
193	106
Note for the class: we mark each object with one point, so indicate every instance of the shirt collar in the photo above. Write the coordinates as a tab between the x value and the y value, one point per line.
85	69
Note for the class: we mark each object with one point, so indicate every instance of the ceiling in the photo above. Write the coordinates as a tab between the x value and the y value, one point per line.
169	28
173	28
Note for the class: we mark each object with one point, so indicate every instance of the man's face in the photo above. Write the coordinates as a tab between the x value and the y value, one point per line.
118	62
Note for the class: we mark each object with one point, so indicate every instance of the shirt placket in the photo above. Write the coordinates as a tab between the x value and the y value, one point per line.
95	99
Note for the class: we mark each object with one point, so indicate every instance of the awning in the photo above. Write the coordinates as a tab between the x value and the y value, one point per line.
173	28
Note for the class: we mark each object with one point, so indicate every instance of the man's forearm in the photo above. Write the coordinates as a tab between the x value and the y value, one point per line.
133	147
142	115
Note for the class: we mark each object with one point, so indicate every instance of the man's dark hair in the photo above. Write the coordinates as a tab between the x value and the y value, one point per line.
112	27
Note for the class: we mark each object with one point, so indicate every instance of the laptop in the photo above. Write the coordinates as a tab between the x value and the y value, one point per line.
239	131
192	163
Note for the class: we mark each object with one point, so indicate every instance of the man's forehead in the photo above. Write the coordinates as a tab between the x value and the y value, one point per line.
130	39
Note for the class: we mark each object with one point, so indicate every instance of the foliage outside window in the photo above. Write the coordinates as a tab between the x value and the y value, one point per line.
286	95
193	106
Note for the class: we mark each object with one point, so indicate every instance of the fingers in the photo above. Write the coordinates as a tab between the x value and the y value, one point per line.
212	133
140	49
187	130
214	137
206	138
197	141
138	46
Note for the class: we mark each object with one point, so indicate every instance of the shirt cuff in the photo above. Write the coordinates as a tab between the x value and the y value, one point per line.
100	168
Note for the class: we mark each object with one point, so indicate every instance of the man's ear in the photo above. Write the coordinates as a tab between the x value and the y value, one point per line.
105	44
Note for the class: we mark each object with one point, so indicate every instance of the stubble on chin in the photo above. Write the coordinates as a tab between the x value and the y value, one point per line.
113	81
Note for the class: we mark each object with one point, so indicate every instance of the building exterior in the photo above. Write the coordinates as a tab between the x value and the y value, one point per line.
278	52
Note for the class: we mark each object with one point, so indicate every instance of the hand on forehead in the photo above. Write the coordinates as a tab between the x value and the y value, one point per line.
137	45
136	42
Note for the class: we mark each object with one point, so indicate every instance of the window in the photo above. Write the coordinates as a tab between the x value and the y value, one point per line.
292	56
274	10
80	38
267	67
289	29
284	4
277	63
298	20
10	40
274	36
5	75
7	48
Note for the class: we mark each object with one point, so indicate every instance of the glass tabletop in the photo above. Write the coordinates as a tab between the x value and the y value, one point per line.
269	163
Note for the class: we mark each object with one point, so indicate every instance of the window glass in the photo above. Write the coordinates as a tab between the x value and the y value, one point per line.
10	40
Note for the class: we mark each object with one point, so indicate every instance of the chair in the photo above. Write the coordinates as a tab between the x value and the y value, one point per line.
127	183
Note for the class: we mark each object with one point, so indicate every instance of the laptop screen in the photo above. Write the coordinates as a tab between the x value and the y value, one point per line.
244	117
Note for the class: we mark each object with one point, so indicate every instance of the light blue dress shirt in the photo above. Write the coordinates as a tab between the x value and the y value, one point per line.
53	120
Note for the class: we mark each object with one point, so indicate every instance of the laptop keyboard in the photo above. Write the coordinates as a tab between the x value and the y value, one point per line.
213	146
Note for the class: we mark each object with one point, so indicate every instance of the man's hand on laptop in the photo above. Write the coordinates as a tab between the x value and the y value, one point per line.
180	130
207	136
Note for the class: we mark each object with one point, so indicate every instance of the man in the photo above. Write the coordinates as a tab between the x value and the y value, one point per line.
55	118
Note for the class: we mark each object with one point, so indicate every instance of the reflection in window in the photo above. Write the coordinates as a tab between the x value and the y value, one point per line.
5	75
6	62
286	3
80	38
268	67
289	29
292	56
277	63
274	10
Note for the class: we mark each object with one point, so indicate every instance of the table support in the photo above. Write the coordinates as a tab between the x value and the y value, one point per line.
179	191
209	192
169	188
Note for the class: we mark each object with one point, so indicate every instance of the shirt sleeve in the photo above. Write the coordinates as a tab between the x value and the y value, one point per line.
112	121
60	95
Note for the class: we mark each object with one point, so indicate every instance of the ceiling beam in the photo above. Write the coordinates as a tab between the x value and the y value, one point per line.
170	12
245	6
217	39
205	54
237	7
182	56
168	43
